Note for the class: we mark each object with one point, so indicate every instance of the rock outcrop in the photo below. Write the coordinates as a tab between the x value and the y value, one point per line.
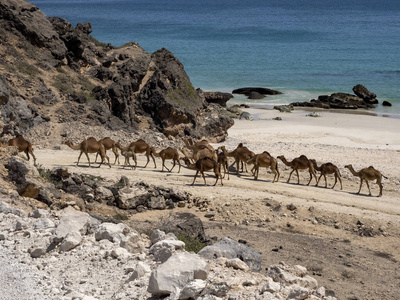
362	99
255	92
57	67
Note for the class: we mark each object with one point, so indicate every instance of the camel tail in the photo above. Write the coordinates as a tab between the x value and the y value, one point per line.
384	176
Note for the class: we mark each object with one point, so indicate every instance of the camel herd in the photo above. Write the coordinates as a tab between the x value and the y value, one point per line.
202	157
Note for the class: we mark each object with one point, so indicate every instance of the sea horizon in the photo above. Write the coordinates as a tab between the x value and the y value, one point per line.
302	48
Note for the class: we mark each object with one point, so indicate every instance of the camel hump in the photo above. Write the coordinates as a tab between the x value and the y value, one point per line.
303	156
266	152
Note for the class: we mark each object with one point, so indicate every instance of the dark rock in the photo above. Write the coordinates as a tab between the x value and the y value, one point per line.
248	90
284	108
185	223
386	103
217	97
231	249
255	96
246	116
362	92
4	91
336	101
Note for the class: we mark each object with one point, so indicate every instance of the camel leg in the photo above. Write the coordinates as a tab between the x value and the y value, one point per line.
318	180
290	175
155	166
179	163
326	182
87	155
194	179
204	177
173	166
340	180
116	155
369	190
163	162
359	190
227	168
95	160
256	169
336	178
298	178
237	166
379	182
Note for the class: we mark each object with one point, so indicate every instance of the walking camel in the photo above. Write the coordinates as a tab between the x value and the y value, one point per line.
240	154
90	145
202	165
22	145
168	153
266	160
222	160
128	154
327	168
368	174
299	163
200	153
109	144
140	146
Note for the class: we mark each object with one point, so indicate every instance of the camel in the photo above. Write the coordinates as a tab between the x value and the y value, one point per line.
140	146
22	145
202	165
109	144
327	168
266	160
198	145
240	154
168	153
368	174
127	155
222	160
90	145
299	163
200	153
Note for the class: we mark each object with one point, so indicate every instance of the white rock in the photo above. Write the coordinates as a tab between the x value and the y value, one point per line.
110	231
164	249
140	270
192	289
72	240
156	236
120	253
40	213
237	264
177	271
298	293
72	221
43	223
271	287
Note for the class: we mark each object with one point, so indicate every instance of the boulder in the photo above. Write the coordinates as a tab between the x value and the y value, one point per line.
260	90
246	116
71	240
176	272
110	231
164	249
186	224
231	249
386	103
362	92
217	97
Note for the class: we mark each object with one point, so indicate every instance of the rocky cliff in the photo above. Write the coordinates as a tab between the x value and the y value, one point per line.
53	75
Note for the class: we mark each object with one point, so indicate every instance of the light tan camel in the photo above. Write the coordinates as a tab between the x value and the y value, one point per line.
140	146
109	144
128	154
327	168
299	163
368	174
266	160
222	160
240	154
197	145
22	145
169	153
202	165
90	145
200	153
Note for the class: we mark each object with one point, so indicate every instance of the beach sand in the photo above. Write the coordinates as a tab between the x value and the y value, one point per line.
349	241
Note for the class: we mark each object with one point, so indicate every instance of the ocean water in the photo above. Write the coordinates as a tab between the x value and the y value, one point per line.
303	48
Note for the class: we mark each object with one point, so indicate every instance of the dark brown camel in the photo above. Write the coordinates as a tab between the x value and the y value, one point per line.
202	165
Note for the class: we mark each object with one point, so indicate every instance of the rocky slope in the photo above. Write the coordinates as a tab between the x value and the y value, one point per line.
54	76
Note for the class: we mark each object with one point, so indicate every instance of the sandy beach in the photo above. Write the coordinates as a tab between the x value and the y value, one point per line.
258	210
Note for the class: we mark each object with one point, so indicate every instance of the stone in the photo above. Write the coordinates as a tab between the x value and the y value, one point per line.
271	287
186	224
192	289
164	249
133	243
120	253
156	236
246	116
237	264
139	271
231	249
110	231
177	272
43	223
39	213
72	240
298	293
37	252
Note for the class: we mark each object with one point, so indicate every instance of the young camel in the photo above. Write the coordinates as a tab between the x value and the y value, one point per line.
240	154
127	155
22	145
266	160
90	145
168	153
202	165
109	144
222	160
368	174
327	168
140	146
299	163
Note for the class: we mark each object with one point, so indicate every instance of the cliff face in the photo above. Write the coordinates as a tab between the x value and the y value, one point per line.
51	72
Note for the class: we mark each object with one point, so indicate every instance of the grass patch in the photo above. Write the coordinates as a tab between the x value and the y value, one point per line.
46	174
121	217
28	69
192	243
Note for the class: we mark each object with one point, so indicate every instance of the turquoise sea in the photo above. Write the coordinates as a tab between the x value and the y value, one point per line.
303	48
